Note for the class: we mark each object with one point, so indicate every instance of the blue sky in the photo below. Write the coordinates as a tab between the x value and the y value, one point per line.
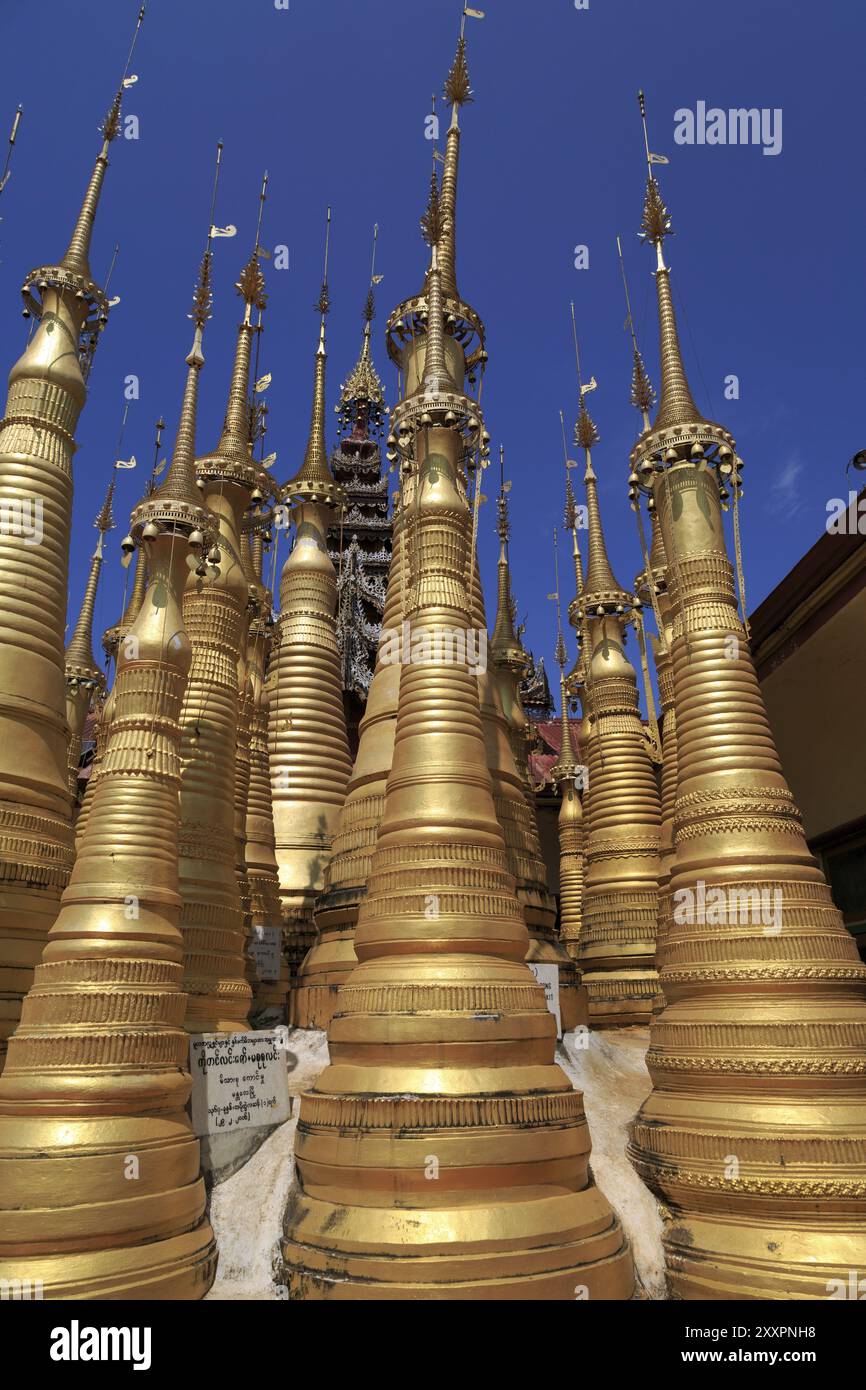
331	96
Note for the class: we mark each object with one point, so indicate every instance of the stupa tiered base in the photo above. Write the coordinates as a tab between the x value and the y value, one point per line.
479	1191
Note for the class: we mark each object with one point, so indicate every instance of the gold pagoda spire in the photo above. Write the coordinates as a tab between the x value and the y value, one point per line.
601	589
72	275
85	678
437	373
754	1135
98	1068
309	748
565	764
618	928
642	392
76	258
676	405
314	480
504	645
47	392
441	1042
457	93
465	341
570	821
216	614
10	146
79	650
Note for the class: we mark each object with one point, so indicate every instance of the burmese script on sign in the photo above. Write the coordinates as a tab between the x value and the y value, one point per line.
238	1082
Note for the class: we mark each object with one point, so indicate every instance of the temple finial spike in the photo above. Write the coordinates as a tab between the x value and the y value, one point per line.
4	177
642	393
77	256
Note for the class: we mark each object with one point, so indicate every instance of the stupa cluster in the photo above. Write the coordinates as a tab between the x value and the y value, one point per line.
272	770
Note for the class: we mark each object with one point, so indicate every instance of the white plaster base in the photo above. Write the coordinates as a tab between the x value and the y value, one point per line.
247	1209
615	1082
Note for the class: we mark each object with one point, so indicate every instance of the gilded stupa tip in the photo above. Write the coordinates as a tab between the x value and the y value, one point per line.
656	220
505	645
314	481
458	91
81	665
566	762
676	404
570	515
179	482
177	501
232	458
437	376
250	284
642	395
433	219
76	259
585	431
601	587
105	517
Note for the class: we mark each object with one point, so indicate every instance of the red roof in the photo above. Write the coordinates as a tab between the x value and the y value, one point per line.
548	745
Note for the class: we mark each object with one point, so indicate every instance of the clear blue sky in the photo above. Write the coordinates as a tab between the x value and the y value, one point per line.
331	97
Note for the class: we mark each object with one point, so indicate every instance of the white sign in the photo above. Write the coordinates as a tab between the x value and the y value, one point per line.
548	976
239	1081
265	948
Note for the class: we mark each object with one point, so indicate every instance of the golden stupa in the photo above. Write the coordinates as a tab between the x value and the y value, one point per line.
102	1195
621	848
442	1043
754	1136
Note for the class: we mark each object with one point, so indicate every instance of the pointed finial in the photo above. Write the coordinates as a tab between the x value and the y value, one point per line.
503	525
432	223
72	274
370	302
570	516
600	581
676	405
176	502
505	644
105	517
4	177
457	91
314	481
76	259
642	393
656	222
155	471
561	653
323	303
585	431
437	375
565	763
251	282
232	458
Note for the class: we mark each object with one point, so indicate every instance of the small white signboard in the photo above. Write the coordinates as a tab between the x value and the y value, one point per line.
239	1081
548	976
265	948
